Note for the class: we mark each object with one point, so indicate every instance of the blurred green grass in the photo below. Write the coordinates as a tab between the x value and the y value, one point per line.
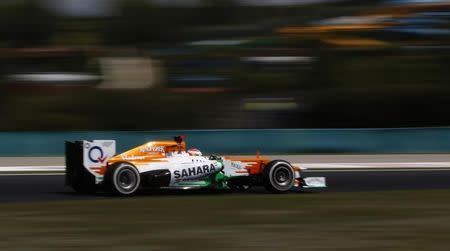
388	220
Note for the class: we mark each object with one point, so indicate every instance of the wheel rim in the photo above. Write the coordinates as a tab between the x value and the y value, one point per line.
282	176
127	179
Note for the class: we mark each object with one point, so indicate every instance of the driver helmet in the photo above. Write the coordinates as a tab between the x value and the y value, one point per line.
194	152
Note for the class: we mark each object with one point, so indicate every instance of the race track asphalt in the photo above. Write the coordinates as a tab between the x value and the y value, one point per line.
30	188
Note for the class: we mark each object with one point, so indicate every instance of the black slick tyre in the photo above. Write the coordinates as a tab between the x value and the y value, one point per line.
122	179
278	176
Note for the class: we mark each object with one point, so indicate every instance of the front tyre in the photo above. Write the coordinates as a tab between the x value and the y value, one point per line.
278	176
122	179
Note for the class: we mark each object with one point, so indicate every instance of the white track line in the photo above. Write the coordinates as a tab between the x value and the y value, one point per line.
31	168
311	166
30	174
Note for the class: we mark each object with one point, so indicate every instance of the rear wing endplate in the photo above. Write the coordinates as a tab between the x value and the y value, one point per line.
85	158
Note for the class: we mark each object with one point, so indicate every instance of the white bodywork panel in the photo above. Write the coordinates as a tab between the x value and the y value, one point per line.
315	182
235	168
96	154
183	167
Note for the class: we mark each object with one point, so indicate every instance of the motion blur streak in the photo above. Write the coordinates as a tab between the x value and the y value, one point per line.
79	65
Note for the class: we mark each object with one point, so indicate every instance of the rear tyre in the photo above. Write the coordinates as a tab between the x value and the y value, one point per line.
278	176
122	179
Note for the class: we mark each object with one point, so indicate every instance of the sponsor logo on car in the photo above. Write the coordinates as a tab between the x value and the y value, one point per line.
194	171
236	165
152	149
96	155
131	157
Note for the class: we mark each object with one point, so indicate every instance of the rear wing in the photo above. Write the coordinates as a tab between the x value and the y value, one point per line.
85	160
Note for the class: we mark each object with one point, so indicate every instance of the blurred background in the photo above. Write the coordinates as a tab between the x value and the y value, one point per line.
197	64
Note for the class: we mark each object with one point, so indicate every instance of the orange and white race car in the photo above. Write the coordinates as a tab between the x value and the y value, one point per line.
93	165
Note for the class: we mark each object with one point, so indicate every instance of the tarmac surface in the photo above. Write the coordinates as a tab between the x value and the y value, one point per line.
32	188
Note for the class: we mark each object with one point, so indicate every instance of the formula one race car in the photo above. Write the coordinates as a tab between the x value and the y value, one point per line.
93	165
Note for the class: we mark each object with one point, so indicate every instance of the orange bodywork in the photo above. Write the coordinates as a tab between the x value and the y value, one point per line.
149	152
255	164
154	151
